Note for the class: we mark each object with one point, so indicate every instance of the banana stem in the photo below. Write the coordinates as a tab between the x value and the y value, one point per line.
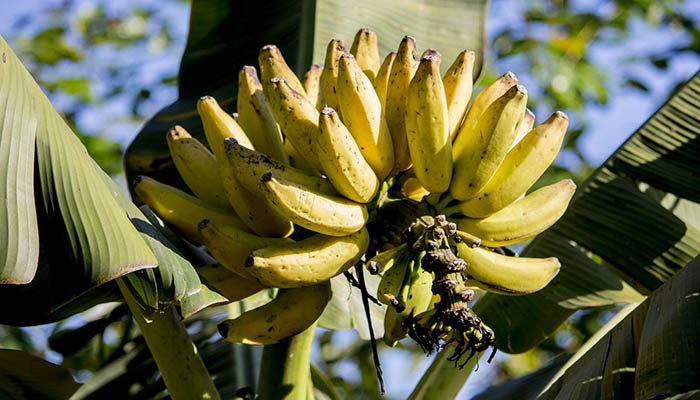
172	349
442	380
284	373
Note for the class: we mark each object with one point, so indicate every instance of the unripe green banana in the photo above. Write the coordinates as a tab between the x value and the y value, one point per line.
458	82
402	71
231	246
381	81
362	114
504	274
329	76
390	285
523	219
481	102
181	210
488	144
527	121
255	117
342	161
312	85
290	312
197	167
364	48
381	262
272	64
219	125
307	262
232	286
297	117
313	210
427	127
520	169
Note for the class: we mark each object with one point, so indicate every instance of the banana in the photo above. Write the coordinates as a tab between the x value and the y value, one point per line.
297	117
381	81
458	82
329	76
524	127
504	274
427	127
232	286
231	246
181	210
385	260
197	167
219	125
255	117
488	144
261	218
362	114
312	85
523	219
295	159
402	70
389	289
290	312
418	298
307	262
250	165
520	169
342	161
329	215
413	189
481	102
272	65
364	48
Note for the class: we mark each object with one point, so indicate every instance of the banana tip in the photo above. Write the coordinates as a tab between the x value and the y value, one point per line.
266	177
204	223
205	98
138	179
327	111
277	79
560	114
249	260
230	143
268	47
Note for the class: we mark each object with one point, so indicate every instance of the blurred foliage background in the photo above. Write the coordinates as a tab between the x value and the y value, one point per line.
108	66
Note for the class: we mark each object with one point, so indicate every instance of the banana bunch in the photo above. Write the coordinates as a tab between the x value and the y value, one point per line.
323	153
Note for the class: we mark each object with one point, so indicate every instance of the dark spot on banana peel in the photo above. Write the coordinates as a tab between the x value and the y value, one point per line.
204	223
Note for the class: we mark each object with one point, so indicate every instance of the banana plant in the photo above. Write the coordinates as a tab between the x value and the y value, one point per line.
97	246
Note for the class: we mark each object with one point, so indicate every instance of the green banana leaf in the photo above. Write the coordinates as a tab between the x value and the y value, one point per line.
24	377
226	35
622	235
52	193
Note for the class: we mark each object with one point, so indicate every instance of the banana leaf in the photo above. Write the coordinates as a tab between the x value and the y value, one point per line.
226	35
24	376
622	235
52	193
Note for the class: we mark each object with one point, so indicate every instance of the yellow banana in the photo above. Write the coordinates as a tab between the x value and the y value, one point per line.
427	127
197	167
417	299
521	168
253	210
329	76
272	65
524	127
295	159
255	116
488	144
290	312
181	210
381	262
481	102
362	114
250	165
307	262
232	286
312	85
364	48
402	70
297	117
523	219
381	81
231	246
219	125
504	274
313	210
342	161
458	82
413	189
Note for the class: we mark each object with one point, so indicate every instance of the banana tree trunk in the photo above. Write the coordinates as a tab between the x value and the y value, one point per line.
175	354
